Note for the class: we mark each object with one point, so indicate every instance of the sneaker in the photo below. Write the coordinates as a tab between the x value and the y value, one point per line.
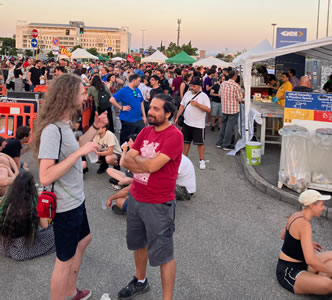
102	168
116	187
202	164
212	129
82	295
113	180
117	210
228	148
219	146
133	289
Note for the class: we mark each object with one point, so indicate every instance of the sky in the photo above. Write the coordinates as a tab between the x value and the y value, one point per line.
212	25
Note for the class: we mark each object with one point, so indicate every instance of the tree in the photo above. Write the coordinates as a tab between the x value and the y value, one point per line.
28	52
93	51
75	47
189	49
173	49
12	51
50	54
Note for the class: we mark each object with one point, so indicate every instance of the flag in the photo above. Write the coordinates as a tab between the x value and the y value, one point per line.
130	59
65	51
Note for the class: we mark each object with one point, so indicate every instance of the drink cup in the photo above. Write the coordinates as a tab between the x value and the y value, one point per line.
93	157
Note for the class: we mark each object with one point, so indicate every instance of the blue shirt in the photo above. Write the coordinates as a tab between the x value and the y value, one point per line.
104	77
126	97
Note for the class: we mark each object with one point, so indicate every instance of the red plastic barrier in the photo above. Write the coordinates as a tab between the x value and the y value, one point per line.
86	113
3	90
14	114
41	88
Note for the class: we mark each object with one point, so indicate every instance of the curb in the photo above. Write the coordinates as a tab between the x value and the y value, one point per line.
267	188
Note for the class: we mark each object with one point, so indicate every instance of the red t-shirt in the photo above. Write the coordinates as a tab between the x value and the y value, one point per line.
158	187
176	83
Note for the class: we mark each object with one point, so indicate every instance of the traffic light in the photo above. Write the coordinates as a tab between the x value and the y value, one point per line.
38	50
81	30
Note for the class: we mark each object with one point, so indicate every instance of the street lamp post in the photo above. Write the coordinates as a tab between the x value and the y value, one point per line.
273	34
318	19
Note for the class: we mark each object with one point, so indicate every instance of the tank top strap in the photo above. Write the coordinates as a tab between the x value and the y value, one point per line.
293	222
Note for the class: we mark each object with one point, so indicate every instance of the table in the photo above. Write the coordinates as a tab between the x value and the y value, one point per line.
267	110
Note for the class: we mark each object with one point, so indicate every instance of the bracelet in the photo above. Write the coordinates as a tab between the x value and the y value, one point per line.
121	108
93	125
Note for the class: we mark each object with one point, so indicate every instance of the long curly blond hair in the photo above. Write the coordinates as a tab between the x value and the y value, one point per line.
60	101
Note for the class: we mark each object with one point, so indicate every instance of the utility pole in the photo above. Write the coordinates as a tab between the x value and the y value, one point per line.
318	19
178	40
143	38
328	17
273	35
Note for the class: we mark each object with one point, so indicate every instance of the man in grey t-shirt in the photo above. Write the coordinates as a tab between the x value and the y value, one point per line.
71	227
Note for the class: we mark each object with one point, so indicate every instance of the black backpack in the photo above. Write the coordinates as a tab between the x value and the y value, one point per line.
103	100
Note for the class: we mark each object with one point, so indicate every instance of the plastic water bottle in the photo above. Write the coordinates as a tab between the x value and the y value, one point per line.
103	204
93	157
105	297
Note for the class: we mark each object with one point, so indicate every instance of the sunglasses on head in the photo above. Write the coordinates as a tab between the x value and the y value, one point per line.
135	93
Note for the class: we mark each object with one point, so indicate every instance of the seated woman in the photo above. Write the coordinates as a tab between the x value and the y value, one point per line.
23	235
300	270
8	172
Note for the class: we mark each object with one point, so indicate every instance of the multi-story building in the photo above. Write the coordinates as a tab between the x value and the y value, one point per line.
104	39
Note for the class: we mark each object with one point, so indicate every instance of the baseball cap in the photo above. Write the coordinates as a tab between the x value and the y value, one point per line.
196	81
311	196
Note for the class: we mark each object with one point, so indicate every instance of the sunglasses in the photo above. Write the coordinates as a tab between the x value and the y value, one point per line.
135	94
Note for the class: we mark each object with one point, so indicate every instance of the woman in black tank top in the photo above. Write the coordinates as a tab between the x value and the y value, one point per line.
300	269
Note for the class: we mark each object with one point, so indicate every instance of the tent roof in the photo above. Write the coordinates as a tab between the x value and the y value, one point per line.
82	53
101	58
319	49
260	48
181	58
156	57
117	58
210	61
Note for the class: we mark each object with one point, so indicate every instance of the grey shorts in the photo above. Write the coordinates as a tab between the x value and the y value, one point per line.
152	226
215	109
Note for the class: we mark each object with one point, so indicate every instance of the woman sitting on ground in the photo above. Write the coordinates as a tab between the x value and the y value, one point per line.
23	235
8	172
300	270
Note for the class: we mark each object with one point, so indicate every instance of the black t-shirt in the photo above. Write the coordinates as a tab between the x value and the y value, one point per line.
35	75
215	89
156	91
17	73
164	84
302	89
13	148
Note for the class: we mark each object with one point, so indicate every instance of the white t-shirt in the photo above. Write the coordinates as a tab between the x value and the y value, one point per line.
193	116
144	90
108	140
186	175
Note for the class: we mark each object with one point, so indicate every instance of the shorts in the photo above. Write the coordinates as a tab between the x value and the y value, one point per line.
69	228
181	193
152	226
287	273
118	157
216	109
193	134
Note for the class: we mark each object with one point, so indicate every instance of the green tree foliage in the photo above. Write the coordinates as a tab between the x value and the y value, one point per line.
75	47
8	45
228	57
93	51
173	49
28	52
12	51
50	54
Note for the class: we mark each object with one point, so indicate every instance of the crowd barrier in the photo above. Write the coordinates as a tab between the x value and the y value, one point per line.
86	113
40	88
14	115
3	90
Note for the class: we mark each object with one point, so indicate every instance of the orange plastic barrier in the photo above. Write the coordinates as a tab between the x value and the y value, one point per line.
41	88
86	113
3	90
86	89
13	115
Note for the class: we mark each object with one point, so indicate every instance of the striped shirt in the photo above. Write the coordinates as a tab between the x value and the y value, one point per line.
231	94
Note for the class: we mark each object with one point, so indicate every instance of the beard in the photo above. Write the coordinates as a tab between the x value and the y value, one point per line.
156	122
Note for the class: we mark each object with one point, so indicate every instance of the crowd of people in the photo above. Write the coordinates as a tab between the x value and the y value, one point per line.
143	122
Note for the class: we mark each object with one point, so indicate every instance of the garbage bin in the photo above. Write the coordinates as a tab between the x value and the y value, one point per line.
320	156
294	171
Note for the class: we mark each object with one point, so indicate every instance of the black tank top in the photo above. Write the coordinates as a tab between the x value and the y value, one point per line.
292	247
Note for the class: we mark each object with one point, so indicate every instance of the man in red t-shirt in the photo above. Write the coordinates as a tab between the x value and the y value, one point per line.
154	159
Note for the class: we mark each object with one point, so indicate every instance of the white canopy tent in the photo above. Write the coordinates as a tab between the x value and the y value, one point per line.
319	49
156	57
210	61
80	53
117	59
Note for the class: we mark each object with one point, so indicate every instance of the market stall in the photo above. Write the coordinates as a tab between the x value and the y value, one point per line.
156	57
211	61
80	53
182	59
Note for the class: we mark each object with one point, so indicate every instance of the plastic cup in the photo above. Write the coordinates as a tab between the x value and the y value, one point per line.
103	204
93	157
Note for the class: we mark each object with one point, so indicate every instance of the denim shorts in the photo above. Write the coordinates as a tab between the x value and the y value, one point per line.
152	226
69	228
216	109
287	273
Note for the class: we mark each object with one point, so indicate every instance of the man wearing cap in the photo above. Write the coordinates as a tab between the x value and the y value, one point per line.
194	105
300	269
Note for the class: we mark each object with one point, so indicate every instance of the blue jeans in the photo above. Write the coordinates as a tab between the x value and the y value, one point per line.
228	123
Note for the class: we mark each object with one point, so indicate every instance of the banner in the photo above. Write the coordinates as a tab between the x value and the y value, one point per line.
65	51
130	59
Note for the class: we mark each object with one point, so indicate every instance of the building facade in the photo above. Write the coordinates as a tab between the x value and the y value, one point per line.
104	39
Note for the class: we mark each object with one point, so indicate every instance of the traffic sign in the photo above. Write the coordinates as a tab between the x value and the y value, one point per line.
55	42
109	49
34	43
34	33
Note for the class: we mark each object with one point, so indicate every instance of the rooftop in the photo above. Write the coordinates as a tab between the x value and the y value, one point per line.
72	26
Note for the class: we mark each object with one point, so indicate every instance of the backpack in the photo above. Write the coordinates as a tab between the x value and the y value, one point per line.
103	100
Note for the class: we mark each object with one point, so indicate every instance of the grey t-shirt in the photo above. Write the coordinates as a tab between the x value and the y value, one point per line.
69	188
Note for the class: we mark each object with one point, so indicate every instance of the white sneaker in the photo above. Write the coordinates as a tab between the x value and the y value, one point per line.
202	164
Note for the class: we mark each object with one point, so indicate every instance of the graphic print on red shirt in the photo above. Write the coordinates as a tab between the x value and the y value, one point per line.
158	187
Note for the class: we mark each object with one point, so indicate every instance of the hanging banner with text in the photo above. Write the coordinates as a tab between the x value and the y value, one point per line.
65	51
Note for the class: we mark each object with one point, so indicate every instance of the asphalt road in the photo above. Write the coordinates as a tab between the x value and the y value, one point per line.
226	242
